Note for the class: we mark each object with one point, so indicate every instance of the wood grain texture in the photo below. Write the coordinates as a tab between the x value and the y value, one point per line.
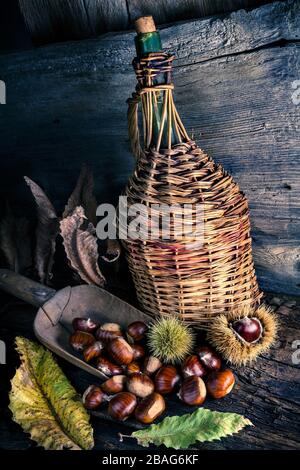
166	11
267	393
60	20
234	90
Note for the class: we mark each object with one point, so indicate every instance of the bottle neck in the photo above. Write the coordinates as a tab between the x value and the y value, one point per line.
162	128
146	43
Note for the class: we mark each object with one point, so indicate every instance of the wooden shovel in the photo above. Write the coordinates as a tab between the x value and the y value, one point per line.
53	322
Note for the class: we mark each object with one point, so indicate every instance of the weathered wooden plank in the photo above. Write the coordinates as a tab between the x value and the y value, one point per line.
266	392
234	89
53	20
107	15
58	20
166	11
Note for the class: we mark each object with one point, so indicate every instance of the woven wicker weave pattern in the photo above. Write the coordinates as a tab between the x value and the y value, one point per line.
196	283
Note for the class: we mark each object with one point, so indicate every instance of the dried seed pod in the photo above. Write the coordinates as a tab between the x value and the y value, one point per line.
122	405
220	383
192	366
231	346
140	384
115	384
133	368
107	367
209	358
93	351
138	351
84	324
120	351
151	365
80	340
137	330
108	331
93	397
170	339
166	379
150	408
192	391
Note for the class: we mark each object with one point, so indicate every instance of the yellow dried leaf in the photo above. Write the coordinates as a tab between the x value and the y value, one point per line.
45	404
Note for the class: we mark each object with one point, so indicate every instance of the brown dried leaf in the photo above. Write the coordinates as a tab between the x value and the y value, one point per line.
15	241
83	196
113	251
46	232
80	242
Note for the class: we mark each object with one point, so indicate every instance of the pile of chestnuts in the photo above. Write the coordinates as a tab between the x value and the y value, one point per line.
138	383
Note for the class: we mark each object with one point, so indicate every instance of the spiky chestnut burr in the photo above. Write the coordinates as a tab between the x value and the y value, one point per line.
170	340
231	345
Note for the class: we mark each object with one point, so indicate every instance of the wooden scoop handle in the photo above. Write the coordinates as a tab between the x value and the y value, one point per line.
25	289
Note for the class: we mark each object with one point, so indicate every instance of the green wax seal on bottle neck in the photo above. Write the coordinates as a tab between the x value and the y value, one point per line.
147	42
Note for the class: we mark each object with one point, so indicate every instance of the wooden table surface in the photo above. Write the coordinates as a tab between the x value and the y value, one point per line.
267	393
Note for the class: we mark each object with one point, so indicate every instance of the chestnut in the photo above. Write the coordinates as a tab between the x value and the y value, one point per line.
247	329
220	383
108	368
138	351
93	397
84	324
165	379
137	330
80	340
133	368
150	408
209	358
192	390
151	365
192	366
140	384
115	384
93	351
109	331
122	405
120	351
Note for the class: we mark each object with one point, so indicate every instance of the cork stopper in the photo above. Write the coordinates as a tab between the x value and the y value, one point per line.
145	24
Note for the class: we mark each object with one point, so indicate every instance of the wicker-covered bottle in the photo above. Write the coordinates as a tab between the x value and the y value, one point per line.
195	279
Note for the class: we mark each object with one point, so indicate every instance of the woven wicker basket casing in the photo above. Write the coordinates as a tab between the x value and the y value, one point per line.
196	282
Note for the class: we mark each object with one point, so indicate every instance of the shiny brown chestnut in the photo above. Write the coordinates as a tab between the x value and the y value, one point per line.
247	329
220	383
192	366
115	384
80	340
84	324
138	351
166	379
150	408
122	405
133	368
93	351
209	358
107	367
108	331
140	384
137	330
120	351
151	365
192	390
93	397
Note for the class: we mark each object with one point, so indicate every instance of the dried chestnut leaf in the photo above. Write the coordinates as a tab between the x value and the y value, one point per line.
83	196
15	241
80	242
113	251
46	232
45	404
